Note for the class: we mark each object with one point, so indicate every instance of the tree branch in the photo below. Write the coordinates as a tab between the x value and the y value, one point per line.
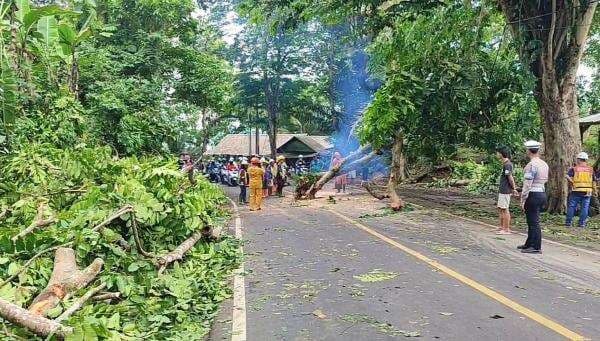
35	323
79	303
551	34
38	222
178	253
28	263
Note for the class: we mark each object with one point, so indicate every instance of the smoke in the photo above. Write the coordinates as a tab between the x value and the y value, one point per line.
354	89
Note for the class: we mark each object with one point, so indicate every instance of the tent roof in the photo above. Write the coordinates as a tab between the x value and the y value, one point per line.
238	144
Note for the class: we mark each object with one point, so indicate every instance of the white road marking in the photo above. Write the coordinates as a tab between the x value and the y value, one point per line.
238	329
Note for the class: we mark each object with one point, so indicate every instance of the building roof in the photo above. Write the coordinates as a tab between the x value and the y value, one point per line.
242	144
590	120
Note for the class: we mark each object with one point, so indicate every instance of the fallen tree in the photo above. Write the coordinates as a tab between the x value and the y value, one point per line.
352	161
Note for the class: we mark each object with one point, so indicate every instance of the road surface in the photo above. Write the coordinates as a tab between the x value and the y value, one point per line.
345	269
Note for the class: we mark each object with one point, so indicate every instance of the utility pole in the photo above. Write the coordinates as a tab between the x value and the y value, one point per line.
249	133
257	135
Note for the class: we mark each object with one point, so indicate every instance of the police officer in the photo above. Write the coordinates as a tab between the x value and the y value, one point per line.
533	197
582	181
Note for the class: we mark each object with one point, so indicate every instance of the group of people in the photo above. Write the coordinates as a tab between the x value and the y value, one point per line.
262	178
582	183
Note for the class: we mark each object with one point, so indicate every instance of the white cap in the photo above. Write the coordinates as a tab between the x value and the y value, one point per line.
583	156
300	156
244	162
531	144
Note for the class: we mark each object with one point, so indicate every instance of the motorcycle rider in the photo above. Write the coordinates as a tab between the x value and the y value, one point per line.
300	165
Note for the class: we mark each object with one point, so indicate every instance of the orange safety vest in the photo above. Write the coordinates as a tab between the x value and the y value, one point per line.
583	180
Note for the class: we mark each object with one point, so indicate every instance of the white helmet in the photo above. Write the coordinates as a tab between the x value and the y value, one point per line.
531	144
582	156
300	156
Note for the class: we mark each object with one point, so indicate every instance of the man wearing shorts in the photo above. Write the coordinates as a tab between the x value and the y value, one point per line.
507	188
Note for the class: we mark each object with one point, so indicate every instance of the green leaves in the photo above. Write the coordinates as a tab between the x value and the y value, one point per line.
48	28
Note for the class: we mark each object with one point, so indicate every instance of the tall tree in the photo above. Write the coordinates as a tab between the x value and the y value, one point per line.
551	37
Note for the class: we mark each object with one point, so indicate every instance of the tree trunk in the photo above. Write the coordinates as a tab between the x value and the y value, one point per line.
551	44
397	172
560	118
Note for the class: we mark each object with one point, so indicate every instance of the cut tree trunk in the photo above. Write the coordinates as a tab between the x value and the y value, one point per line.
357	158
397	172
65	279
35	323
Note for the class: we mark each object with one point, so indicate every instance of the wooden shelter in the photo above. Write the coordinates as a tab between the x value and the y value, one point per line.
288	145
586	122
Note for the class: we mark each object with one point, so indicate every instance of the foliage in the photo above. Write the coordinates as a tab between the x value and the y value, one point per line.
440	97
481	177
82	186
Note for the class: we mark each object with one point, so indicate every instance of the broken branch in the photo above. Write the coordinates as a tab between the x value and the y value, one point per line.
65	278
138	242
38	222
120	212
35	323
28	263
178	253
107	296
79	303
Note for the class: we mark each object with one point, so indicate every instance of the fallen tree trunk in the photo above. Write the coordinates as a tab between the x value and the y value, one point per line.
376	192
35	323
38	222
179	251
65	278
362	155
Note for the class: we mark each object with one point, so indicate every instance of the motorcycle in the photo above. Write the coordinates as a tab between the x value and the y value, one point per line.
233	178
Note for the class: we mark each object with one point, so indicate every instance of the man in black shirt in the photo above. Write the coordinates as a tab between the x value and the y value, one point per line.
507	188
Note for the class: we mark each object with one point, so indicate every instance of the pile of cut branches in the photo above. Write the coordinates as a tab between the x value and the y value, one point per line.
95	246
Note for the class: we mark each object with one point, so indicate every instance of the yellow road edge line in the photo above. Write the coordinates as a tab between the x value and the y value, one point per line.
466	280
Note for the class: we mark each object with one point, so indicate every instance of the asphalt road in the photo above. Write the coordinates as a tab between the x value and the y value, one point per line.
350	271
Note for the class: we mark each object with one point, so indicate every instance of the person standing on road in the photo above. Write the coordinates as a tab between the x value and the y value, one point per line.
507	188
244	182
256	174
582	182
533	197
341	180
280	176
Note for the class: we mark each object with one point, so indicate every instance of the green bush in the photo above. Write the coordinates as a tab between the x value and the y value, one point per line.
82	186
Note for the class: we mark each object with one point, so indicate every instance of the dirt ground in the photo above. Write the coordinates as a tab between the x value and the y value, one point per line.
482	207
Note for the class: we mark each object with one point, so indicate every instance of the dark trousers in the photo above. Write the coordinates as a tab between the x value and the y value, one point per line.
279	182
243	197
535	203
